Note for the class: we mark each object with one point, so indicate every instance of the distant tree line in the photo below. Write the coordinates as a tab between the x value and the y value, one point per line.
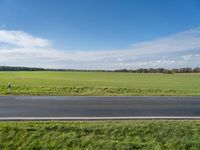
149	70
9	68
162	70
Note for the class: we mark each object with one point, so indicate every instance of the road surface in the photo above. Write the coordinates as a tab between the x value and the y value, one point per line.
72	108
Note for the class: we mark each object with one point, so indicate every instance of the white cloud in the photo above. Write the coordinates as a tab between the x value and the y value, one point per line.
20	48
22	39
179	42
150	64
192	57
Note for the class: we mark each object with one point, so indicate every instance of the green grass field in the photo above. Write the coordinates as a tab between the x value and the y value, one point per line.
99	83
101	135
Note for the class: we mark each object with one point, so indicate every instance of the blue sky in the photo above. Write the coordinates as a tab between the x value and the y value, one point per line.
100	34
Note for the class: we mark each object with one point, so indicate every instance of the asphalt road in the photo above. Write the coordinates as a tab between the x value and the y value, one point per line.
98	107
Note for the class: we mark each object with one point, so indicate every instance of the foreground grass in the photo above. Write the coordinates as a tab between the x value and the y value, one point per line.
100	135
99	83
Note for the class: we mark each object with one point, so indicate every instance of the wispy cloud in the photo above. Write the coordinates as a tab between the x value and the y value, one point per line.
22	39
178	50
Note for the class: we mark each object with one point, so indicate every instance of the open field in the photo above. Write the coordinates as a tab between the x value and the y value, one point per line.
100	135
99	83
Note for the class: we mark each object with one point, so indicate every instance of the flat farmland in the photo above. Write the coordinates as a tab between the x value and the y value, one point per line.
100	83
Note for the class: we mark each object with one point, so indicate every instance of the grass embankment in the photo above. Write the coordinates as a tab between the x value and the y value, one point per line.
100	135
99	83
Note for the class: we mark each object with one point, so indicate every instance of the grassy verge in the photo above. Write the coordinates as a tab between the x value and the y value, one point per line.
99	83
95	91
100	135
